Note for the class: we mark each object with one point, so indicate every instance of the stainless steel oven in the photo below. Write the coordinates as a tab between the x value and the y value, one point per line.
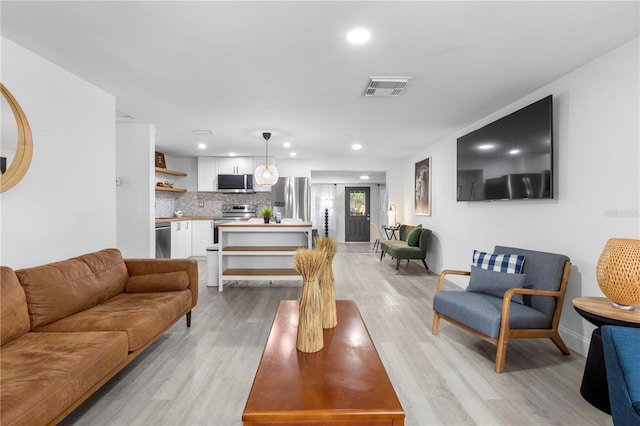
233	213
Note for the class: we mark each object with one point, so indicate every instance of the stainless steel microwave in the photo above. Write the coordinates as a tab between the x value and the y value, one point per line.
235	183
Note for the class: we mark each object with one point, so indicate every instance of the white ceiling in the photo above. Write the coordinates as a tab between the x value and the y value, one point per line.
241	68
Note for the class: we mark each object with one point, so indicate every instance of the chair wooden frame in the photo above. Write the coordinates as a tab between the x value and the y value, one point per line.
506	333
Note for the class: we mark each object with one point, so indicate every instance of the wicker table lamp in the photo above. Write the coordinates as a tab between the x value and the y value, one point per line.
618	272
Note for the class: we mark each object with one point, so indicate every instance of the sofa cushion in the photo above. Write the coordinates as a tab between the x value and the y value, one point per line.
511	263
414	236
400	250
57	290
43	373
14	314
495	283
150	283
482	312
143	316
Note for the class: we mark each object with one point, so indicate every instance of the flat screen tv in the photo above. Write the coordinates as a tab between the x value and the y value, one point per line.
509	159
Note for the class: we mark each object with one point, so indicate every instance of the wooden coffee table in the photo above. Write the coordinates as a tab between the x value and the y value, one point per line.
343	384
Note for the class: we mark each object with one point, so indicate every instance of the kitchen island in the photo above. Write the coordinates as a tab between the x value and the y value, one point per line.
260	251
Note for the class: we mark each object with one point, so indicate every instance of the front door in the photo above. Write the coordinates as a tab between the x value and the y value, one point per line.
357	214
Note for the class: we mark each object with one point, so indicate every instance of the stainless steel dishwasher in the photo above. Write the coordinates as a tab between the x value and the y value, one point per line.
163	240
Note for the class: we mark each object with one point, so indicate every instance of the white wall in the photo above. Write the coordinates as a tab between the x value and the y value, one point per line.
65	205
135	196
596	137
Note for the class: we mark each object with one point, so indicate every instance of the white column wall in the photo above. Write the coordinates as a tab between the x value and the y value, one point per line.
135	196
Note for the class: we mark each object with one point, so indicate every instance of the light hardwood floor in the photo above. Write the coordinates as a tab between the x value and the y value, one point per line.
202	375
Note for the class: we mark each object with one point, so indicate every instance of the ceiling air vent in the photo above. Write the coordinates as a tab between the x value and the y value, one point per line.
385	86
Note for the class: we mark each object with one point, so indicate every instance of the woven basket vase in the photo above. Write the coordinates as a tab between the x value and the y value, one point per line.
618	271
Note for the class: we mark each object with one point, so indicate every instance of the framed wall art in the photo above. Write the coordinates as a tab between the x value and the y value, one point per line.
422	204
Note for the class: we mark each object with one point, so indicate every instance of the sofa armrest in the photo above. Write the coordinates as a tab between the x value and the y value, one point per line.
156	266
449	272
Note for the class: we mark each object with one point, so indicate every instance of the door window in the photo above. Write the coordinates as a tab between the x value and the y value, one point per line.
357	203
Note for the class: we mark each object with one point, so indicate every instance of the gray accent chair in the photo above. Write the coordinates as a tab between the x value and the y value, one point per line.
497	320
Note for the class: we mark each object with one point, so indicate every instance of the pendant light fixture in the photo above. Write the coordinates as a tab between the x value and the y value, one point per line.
266	174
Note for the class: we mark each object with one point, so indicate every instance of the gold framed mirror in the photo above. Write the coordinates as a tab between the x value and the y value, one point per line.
17	144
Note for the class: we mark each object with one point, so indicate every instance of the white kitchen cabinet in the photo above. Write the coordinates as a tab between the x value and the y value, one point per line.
256	162
201	237
180	239
207	174
235	165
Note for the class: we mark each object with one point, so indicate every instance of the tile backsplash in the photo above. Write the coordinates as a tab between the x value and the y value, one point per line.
168	202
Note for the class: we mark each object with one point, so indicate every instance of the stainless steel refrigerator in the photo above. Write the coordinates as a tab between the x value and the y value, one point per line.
291	197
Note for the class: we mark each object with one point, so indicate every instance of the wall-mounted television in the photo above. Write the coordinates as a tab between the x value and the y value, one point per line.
509	159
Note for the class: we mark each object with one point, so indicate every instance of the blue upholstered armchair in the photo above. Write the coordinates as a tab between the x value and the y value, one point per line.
505	311
622	359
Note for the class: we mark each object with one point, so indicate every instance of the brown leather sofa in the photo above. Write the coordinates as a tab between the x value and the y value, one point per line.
67	327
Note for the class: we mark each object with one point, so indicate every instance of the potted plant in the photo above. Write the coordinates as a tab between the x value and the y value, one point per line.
266	213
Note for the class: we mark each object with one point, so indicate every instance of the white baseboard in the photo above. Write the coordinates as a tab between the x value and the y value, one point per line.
574	341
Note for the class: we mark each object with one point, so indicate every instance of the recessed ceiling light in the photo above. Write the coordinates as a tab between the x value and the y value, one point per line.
286	144
364	177
486	146
232	154
202	145
292	154
358	36
514	152
356	146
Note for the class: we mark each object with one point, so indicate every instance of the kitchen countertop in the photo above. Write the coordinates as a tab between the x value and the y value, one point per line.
175	219
284	224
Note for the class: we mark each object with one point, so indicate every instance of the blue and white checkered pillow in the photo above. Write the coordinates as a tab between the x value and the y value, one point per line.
510	263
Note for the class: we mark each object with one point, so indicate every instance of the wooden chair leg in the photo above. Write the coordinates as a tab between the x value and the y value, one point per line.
501	353
397	266
557	340
189	319
381	254
436	323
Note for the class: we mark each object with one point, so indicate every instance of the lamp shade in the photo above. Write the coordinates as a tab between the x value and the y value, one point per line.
618	271
266	174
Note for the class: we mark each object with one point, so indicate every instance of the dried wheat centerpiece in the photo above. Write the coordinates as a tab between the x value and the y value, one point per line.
310	263
327	292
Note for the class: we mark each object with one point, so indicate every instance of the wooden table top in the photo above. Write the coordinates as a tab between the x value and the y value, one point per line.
602	306
345	381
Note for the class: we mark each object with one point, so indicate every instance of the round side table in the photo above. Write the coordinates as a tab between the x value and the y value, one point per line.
599	311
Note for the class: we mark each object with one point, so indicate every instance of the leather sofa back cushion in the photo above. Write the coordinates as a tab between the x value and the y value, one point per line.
57	290
149	283
14	316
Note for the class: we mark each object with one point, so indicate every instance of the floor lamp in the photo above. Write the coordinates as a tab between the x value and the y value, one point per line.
391	215
327	204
